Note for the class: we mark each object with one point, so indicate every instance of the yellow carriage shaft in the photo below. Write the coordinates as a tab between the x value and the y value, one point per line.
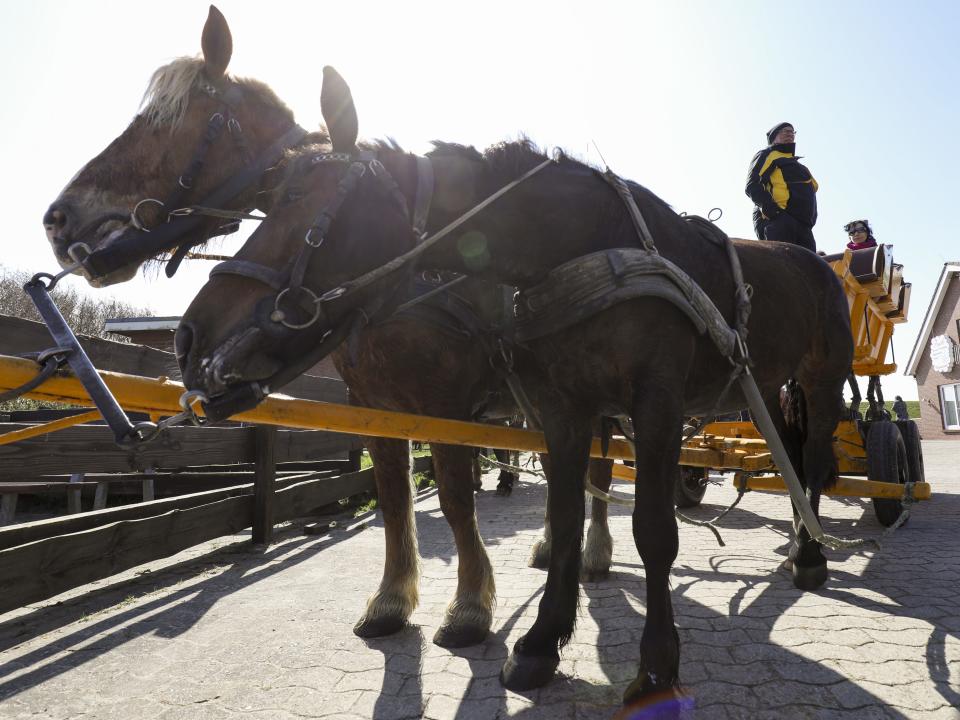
160	397
736	446
845	487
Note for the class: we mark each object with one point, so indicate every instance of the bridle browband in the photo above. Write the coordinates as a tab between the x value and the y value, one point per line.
138	243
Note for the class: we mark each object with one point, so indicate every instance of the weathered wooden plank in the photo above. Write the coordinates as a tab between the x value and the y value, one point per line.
91	448
300	499
265	442
19	336
39	529
41	569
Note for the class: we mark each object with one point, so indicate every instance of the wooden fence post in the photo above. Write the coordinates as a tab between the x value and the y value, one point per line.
73	496
265	443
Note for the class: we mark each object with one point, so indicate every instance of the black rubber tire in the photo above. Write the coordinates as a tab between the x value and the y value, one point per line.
911	439
690	487
886	462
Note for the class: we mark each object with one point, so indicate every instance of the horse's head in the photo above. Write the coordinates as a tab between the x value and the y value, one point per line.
198	128
287	297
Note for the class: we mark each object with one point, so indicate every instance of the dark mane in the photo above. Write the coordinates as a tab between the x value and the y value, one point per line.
510	159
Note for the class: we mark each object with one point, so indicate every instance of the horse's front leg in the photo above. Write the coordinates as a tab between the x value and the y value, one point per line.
470	614
391	605
598	551
536	655
655	534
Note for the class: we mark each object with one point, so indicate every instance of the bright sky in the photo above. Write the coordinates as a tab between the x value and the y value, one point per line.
676	95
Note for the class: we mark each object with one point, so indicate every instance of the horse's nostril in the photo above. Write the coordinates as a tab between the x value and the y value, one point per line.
182	341
55	222
55	218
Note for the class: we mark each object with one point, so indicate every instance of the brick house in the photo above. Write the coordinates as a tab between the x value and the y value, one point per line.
157	332
935	360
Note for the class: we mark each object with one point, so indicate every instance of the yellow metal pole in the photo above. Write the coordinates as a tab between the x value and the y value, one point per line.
161	396
17	435
845	487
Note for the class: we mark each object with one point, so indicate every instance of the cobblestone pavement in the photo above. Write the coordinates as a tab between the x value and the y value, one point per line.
223	631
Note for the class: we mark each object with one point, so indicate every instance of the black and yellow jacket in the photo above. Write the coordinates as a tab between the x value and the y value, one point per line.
778	181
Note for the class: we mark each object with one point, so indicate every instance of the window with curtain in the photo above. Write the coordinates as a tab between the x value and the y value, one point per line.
950	402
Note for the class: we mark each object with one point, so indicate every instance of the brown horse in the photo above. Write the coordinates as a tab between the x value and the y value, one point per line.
428	360
642	357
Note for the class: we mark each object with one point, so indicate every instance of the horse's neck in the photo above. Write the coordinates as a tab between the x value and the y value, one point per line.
537	225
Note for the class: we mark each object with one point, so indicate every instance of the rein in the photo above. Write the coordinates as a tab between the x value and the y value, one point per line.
139	243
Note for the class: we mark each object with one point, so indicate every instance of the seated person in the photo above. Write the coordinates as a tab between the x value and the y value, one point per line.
860	234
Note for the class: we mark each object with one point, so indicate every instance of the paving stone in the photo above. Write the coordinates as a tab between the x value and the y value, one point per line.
234	633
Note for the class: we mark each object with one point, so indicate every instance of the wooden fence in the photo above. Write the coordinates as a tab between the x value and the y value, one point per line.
271	475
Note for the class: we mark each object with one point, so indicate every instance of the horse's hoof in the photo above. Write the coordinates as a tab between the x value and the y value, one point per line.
378	627
504	490
808	577
459	636
527	672
598	575
660	698
540	555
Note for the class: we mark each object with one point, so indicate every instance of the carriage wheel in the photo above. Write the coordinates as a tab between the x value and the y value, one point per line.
690	487
886	462
911	439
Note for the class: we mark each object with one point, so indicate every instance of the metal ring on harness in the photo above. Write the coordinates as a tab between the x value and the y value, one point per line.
278	315
308	241
72	251
135	220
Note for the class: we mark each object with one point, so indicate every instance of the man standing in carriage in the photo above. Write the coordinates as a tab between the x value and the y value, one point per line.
783	190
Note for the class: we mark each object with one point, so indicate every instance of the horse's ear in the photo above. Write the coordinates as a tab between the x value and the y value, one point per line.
217	44
339	113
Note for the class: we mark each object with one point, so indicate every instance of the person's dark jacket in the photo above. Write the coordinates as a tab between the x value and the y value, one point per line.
779	182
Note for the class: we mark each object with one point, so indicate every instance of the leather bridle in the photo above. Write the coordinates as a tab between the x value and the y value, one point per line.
139	243
295	307
363	306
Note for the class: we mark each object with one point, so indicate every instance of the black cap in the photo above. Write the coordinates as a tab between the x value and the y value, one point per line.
772	132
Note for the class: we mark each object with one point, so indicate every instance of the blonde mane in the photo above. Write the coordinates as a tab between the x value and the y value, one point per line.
165	101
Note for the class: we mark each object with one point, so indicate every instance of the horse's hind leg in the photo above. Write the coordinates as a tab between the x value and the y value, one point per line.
820	473
656	537
540	552
470	614
506	478
598	551
390	606
805	559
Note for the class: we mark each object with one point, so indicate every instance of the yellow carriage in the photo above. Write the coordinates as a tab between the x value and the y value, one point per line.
884	452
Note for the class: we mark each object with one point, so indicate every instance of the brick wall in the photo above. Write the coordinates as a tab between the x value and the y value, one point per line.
928	381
